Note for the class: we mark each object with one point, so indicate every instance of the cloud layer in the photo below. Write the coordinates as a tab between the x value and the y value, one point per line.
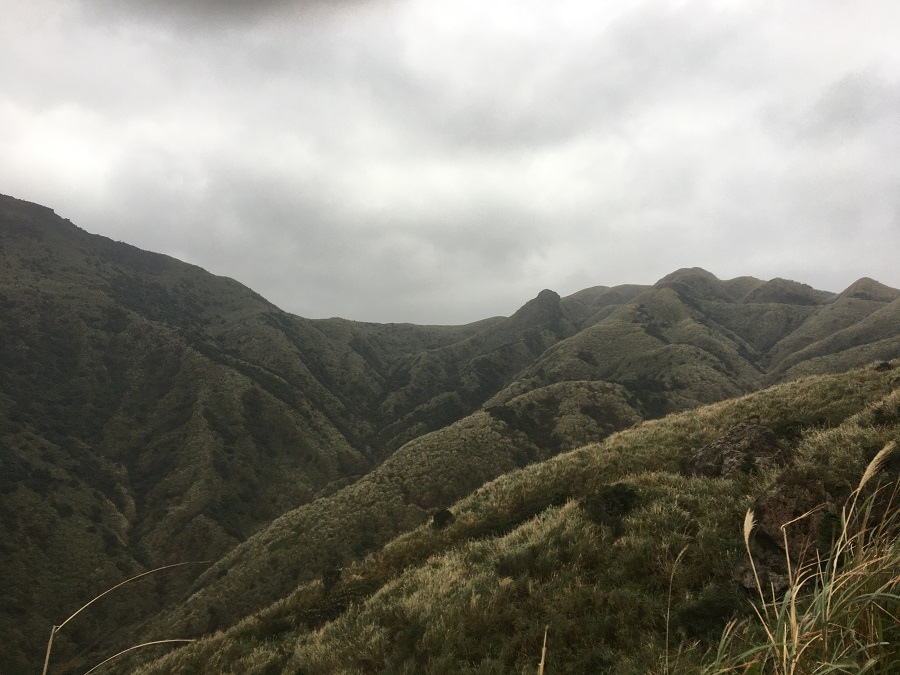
442	162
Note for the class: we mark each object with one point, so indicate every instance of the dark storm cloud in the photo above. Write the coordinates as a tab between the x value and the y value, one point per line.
217	13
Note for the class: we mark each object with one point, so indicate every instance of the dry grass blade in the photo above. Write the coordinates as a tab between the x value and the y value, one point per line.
749	524
143	644
56	629
543	652
875	464
839	614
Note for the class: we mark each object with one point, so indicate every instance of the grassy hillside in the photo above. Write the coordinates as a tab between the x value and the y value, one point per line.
692	339
153	413
427	474
585	543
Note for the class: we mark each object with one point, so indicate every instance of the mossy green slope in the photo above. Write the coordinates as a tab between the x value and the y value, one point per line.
428	473
151	413
692	339
585	543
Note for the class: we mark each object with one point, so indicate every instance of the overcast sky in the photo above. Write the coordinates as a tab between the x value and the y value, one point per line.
441	162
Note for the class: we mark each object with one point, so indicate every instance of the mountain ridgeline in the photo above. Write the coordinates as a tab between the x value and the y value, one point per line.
152	413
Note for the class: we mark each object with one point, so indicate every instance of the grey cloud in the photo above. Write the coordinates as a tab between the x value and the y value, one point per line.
377	166
851	106
545	90
857	104
288	241
217	14
842	169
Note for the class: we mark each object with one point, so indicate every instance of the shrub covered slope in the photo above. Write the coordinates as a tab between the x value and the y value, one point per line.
610	545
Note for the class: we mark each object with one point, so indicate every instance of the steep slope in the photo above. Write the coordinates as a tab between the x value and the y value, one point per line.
767	313
442	385
860	325
601	544
153	413
673	335
661	345
428	473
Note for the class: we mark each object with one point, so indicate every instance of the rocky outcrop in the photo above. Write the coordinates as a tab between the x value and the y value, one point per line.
798	518
747	447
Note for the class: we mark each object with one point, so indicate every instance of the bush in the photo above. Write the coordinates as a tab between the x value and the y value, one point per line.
705	616
441	519
609	504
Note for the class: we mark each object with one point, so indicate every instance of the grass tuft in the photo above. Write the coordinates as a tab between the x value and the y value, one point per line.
840	614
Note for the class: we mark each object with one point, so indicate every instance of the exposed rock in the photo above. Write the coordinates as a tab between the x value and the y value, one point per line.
747	447
799	507
770	568
805	508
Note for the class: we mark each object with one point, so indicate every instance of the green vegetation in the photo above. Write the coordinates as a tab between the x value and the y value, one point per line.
601	544
840	612
152	413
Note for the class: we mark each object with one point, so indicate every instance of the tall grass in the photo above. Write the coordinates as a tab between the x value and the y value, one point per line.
55	629
840	614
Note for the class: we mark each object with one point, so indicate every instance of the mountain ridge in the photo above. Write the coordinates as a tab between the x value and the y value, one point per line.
151	412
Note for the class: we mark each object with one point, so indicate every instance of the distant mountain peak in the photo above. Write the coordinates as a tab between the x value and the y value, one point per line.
543	308
740	287
23	205
869	289
543	312
688	272
695	282
786	292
